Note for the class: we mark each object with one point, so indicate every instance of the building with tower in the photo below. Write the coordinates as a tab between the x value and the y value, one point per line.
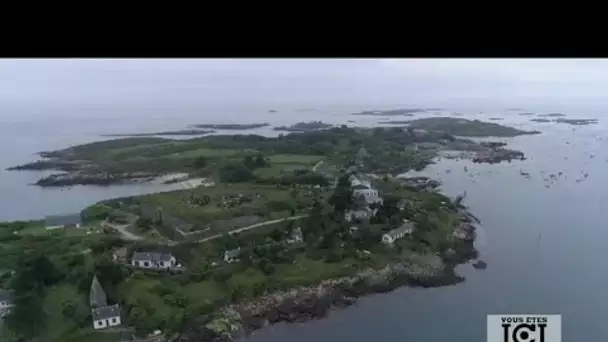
104	315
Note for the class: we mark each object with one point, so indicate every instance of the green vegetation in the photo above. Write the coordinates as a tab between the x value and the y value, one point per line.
232	126
304	127
179	132
227	158
260	179
53	272
466	128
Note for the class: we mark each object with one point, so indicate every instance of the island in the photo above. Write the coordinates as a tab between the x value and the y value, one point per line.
395	122
577	122
143	159
496	119
304	127
179	132
541	120
526	114
235	127
551	115
392	112
467	128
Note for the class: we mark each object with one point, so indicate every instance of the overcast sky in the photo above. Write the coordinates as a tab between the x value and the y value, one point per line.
427	82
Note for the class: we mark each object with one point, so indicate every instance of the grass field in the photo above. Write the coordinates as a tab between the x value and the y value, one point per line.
203	292
206	152
176	203
54	303
295	159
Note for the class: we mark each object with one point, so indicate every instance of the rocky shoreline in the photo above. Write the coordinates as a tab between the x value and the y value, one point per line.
100	178
317	301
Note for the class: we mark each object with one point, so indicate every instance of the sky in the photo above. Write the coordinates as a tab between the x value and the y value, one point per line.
217	82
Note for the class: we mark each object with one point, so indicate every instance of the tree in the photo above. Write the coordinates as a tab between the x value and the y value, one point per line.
200	162
143	223
260	161
276	235
249	162
27	319
235	173
96	212
110	275
342	197
266	266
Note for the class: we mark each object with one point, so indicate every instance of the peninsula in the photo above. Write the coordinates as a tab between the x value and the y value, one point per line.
292	227
142	159
266	244
170	133
235	127
464	127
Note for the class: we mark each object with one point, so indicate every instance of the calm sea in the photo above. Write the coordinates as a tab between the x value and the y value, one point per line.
544	245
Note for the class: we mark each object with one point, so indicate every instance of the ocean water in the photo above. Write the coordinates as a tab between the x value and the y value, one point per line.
544	245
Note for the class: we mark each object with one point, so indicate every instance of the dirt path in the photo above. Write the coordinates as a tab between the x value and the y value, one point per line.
314	168
253	226
122	229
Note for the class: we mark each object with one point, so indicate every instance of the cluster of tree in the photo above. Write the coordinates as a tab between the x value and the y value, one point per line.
200	200
96	212
235	173
256	162
303	179
36	273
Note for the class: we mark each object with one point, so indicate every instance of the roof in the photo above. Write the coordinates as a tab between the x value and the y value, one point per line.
97	297
62	220
151	256
106	312
360	187
405	228
296	233
362	153
120	252
232	253
360	213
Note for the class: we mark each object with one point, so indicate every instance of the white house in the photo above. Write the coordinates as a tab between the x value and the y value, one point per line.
232	255
370	194
6	302
153	260
406	228
362	214
295	236
105	317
